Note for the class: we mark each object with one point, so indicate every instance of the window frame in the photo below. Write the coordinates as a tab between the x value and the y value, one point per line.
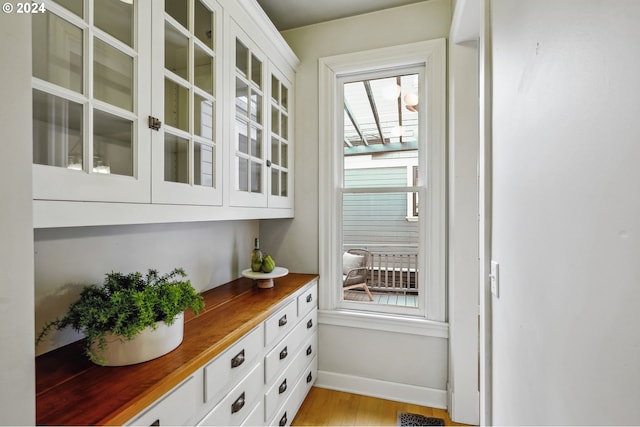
432	55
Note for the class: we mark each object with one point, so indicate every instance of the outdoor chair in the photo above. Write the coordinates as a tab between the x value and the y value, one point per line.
356	264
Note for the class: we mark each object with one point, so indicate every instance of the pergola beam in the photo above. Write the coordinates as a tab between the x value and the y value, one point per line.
355	123
374	109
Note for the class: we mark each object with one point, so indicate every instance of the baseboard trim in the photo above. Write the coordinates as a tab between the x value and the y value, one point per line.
416	395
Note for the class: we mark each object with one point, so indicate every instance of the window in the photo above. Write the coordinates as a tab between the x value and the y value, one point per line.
382	157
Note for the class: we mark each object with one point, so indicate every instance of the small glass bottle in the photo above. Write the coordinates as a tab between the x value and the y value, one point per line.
256	256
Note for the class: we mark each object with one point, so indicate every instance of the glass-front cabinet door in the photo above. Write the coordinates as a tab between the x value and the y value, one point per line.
281	148
186	149
248	181
91	98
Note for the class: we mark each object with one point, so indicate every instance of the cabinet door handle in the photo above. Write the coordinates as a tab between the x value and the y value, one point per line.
238	404
283	387
309	378
283	353
237	360
282	321
283	420
156	423
309	350
310	324
309	298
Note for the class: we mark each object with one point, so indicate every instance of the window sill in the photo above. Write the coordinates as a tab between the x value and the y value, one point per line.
384	322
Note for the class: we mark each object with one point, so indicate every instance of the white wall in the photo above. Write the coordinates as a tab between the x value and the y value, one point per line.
17	382
350	352
66	259
566	212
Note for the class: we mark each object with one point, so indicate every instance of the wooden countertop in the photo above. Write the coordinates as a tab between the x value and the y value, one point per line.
70	390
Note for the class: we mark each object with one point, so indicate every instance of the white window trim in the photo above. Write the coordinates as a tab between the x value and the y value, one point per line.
432	54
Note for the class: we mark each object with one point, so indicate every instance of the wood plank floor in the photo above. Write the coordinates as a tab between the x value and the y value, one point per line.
387	298
324	407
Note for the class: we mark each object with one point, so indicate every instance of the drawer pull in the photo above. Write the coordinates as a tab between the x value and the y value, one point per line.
309	378
282	321
309	298
309	351
155	423
283	387
238	359
283	420
283	353
238	404
310	324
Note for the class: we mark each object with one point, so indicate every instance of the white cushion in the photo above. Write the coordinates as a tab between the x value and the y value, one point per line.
351	261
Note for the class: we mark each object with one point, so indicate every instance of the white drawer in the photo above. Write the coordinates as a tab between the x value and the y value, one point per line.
239	403
172	409
287	412
280	323
283	385
282	353
232	365
308	300
255	417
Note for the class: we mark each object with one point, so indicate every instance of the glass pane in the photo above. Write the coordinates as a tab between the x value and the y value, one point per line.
284	184
74	6
256	177
243	174
377	222
203	70
285	154
284	98
204	29
112	76
256	107
176	159
275	89
242	98
176	52
242	140
284	122
115	18
203	161
256	143
256	71
275	151
57	131
176	105
275	182
57	51
178	10
242	58
203	118
275	120
112	144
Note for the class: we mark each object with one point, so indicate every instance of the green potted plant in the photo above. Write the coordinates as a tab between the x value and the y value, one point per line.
128	308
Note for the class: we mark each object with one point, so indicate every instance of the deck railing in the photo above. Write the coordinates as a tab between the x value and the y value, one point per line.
393	268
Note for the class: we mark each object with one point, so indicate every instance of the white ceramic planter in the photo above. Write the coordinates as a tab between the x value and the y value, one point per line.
147	345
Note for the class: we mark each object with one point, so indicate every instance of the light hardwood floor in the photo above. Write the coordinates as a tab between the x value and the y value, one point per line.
324	407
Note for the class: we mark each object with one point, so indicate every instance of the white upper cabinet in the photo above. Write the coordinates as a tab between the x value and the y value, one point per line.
91	99
187	79
160	111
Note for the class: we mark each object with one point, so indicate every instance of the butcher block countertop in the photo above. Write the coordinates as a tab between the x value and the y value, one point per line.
70	390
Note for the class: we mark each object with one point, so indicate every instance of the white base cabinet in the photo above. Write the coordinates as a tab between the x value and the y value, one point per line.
262	379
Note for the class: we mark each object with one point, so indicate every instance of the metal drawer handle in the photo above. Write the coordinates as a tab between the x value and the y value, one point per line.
309	298
283	353
283	387
238	404
282	321
309	378
237	360
283	420
309	351
310	324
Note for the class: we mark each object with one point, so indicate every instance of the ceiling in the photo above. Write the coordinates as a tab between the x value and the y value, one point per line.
287	14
